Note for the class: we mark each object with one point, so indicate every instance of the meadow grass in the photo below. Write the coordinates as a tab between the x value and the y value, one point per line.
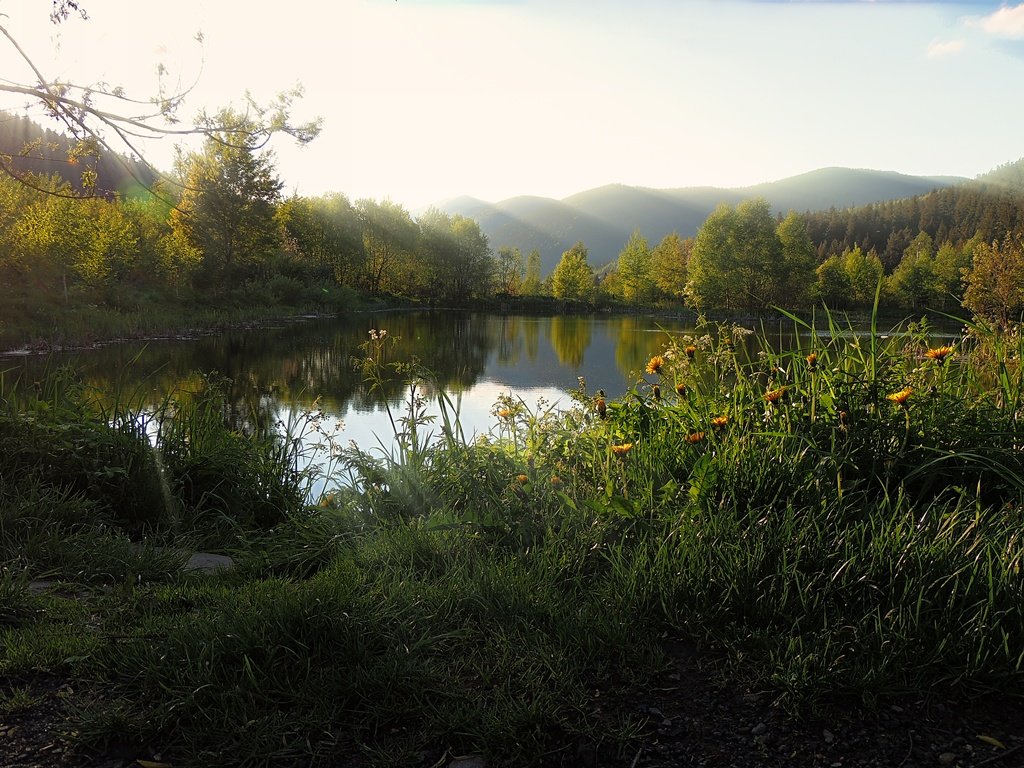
842	517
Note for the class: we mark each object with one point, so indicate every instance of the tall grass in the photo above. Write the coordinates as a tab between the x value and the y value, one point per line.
845	516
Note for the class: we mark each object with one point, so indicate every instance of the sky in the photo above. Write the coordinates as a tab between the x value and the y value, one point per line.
426	100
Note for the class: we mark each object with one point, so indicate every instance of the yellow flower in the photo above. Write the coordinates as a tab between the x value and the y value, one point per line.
622	450
939	354
775	395
505	413
656	391
655	363
602	408
522	479
719	421
556	482
812	360
690	351
901	397
680	389
695	437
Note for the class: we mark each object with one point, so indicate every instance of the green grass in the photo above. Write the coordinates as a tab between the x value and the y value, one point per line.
476	597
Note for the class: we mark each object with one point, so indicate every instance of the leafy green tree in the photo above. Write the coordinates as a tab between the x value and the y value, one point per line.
456	255
532	284
863	271
228	204
635	270
669	264
324	235
508	270
798	262
914	282
951	266
737	259
389	237
833	283
573	278
995	283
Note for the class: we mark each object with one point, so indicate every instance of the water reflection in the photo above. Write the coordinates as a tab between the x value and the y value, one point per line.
475	357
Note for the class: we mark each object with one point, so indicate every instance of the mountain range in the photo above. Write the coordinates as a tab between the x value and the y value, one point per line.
604	218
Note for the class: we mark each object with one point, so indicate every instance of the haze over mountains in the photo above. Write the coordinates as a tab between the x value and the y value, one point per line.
604	218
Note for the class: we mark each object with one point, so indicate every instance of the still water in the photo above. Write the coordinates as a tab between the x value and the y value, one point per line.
275	373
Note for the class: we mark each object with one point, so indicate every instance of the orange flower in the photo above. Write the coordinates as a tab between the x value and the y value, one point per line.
680	389
901	397
719	421
690	351
812	360
656	391
622	450
655	363
695	437
602	408
939	354
775	395
556	482
505	413
522	479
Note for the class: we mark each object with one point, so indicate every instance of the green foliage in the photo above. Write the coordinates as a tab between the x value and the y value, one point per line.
573	278
737	260
227	206
532	279
995	282
669	265
635	270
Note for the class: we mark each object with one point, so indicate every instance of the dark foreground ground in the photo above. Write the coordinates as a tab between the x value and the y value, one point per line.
694	718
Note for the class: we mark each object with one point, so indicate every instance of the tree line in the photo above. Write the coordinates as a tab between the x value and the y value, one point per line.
224	232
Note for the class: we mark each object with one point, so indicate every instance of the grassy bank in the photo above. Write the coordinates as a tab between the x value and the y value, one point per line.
843	518
42	318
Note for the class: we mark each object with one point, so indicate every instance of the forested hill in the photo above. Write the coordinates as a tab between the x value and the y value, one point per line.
605	217
29	148
988	208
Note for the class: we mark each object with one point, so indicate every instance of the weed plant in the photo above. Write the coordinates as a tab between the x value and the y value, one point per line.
842	517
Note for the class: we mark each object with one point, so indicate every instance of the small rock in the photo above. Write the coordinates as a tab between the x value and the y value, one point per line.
208	563
759	729
654	711
828	736
946	758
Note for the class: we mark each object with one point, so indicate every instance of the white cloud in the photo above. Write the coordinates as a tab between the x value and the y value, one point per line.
947	48
1007	22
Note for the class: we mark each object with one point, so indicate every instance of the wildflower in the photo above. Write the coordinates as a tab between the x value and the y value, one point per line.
812	360
901	397
656	391
622	449
939	354
695	437
719	421
602	408
775	395
556	482
843	418
690	351
522	479
505	413
655	363
680	389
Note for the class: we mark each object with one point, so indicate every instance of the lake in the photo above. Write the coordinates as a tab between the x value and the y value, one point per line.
275	373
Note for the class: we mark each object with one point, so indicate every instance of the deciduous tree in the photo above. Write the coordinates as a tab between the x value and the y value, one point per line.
573	278
227	207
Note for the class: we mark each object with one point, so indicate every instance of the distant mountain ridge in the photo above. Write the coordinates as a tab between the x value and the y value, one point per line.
605	217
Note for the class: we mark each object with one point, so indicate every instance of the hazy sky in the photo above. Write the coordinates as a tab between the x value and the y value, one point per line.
423	100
